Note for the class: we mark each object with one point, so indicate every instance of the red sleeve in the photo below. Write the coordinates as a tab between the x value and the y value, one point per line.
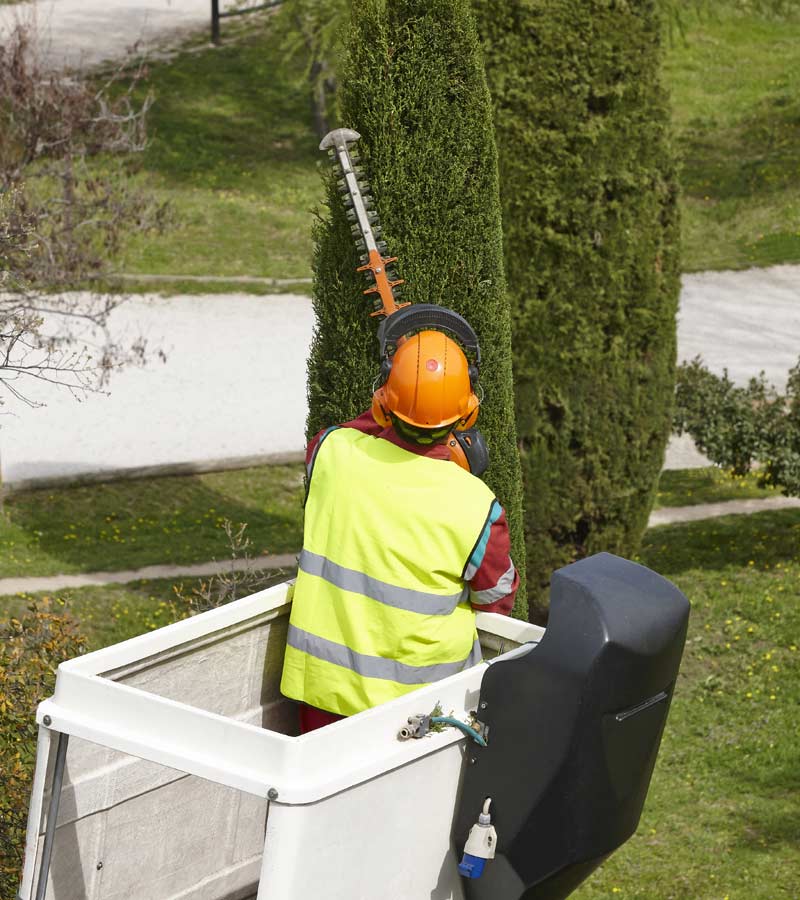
494	585
364	423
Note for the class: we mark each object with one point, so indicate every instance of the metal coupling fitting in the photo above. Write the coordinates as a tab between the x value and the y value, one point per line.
417	727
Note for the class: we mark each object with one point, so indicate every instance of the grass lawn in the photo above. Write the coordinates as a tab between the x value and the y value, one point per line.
722	819
108	614
688	487
233	150
723	813
735	85
128	524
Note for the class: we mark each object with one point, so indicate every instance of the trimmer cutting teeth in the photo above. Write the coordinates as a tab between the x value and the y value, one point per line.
365	228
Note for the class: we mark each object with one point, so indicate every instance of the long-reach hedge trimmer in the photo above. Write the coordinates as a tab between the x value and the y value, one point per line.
467	448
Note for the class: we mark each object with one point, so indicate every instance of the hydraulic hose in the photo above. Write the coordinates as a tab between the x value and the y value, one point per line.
457	723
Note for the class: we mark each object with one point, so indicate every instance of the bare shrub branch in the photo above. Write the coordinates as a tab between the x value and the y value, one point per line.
67	203
226	586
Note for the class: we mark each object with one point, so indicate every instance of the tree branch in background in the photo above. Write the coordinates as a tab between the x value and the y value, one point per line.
312	30
739	427
66	205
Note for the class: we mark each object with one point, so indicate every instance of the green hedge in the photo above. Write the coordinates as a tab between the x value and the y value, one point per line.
588	191
413	85
741	427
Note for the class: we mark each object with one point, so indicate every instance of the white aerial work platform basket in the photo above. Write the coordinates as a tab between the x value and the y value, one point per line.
169	766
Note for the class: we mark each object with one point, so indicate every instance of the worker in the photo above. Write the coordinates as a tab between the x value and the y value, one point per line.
400	547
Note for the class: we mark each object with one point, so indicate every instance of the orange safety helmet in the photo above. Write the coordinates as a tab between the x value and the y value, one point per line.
427	383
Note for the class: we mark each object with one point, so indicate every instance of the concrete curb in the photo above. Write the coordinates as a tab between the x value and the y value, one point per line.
224	464
215	279
9	586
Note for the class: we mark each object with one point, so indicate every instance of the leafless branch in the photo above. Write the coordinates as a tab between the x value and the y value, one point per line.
63	219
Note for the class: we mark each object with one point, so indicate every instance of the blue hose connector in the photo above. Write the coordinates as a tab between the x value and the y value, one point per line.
480	845
471	866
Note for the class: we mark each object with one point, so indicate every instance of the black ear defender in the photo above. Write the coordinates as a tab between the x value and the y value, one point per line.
473	377
385	371
472	444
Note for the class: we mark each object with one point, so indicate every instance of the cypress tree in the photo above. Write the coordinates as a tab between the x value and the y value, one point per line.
413	86
588	190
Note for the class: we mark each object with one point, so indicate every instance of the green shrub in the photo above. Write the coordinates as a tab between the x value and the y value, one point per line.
739	426
413	86
31	647
590	223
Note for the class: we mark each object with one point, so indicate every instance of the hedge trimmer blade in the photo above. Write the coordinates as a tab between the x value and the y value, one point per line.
364	219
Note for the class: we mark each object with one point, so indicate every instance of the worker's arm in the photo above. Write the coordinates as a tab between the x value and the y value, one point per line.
492	577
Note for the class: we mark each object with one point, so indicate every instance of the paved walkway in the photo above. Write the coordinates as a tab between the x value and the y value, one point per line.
216	279
232	391
288	561
67	30
10	586
670	515
233	387
745	321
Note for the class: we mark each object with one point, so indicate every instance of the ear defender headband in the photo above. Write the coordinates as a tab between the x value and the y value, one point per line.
421	317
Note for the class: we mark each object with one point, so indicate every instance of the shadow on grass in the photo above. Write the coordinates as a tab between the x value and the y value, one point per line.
774	819
223	115
727	542
772	248
757	155
750	760
171	520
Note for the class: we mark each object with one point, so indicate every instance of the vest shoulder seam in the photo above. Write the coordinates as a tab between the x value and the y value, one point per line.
315	454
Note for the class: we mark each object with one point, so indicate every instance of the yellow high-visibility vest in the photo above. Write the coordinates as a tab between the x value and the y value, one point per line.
380	605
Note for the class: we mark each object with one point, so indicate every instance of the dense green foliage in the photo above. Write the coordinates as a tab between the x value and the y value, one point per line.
591	228
739	426
413	86
31	647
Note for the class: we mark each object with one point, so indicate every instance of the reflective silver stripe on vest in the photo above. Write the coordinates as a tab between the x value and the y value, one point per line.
376	666
388	594
500	590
